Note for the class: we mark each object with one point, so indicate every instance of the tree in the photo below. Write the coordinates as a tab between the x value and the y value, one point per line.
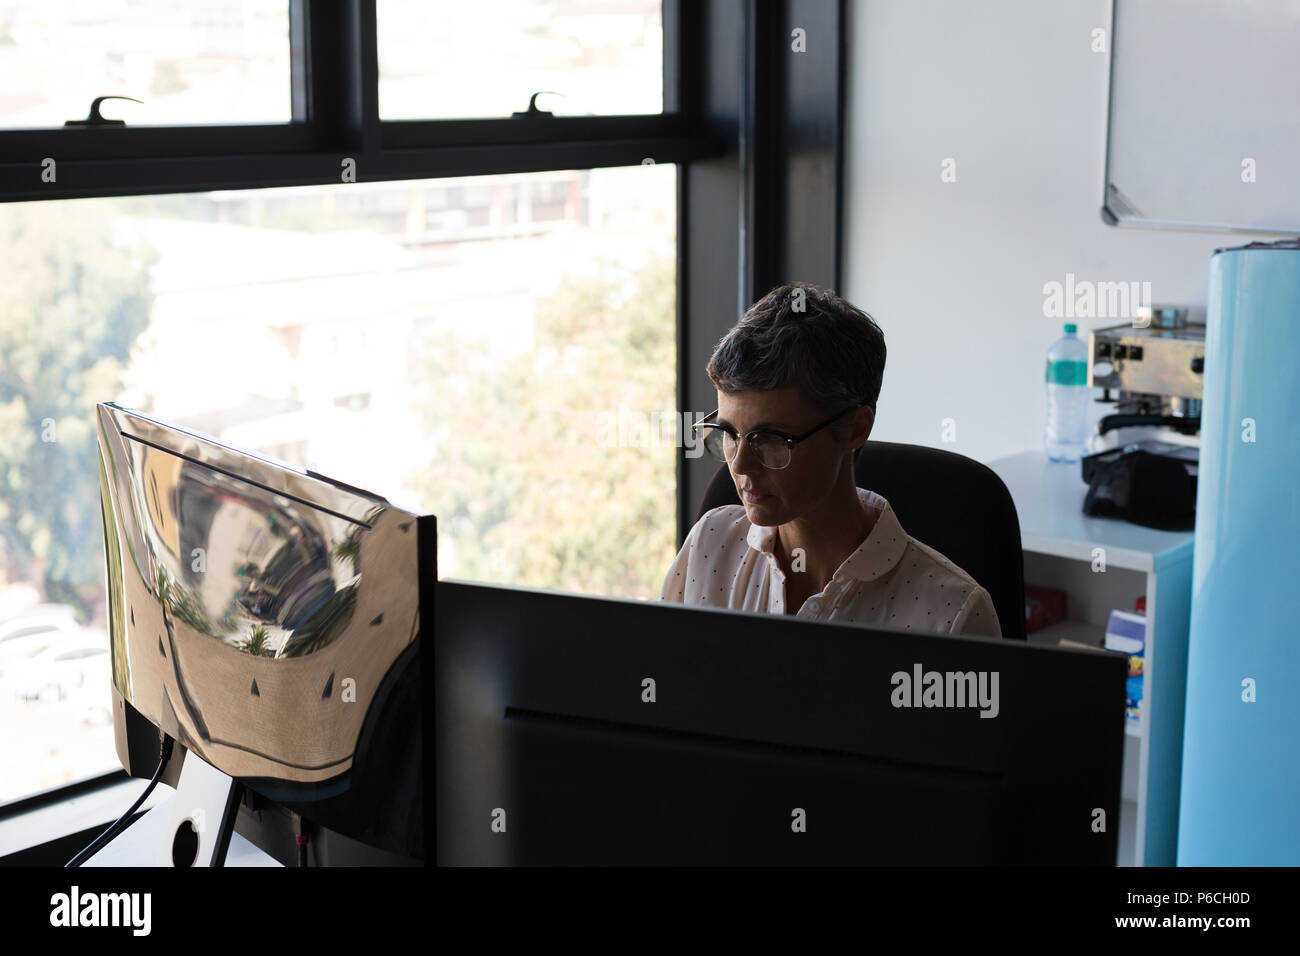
522	488
258	642
73	303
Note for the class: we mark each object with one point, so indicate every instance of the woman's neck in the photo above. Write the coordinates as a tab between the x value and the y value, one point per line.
817	543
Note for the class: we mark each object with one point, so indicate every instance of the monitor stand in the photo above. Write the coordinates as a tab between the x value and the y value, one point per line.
192	827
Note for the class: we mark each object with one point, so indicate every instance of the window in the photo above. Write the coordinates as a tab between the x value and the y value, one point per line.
188	62
456	365
444	189
601	58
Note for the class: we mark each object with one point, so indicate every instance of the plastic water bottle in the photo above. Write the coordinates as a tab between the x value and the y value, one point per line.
1067	397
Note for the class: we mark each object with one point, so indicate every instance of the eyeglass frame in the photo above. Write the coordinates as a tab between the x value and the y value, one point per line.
790	440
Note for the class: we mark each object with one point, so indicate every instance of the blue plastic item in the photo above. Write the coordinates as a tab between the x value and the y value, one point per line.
1240	799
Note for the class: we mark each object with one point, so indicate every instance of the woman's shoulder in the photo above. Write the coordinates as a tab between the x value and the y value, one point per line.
941	563
723	521
718	526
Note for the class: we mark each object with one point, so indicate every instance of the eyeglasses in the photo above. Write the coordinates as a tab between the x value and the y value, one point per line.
772	448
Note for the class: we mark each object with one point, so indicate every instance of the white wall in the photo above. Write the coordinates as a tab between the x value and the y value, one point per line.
954	272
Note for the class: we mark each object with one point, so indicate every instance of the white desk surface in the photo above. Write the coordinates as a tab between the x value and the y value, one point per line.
1049	499
138	844
134	846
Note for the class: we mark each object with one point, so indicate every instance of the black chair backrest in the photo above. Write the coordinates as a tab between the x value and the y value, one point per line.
952	503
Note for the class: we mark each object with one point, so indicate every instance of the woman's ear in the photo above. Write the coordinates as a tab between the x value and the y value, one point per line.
864	420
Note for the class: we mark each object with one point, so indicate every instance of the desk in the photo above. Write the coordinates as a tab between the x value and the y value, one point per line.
1064	548
135	846
138	844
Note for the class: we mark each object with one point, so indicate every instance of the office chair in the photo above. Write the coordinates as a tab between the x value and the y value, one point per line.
952	503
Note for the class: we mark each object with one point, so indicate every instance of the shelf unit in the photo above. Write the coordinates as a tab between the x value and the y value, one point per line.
1060	544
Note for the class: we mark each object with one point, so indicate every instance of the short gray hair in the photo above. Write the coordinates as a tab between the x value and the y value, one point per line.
831	351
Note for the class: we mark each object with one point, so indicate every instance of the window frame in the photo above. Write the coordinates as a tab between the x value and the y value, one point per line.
335	97
758	193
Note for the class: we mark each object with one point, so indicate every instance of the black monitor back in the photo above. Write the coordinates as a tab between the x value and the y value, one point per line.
762	740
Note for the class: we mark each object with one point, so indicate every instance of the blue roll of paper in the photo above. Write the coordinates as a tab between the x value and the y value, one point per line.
1240	795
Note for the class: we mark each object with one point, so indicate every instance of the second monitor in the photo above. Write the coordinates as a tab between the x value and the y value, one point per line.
580	730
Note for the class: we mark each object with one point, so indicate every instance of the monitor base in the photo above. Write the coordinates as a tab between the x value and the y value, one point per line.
192	827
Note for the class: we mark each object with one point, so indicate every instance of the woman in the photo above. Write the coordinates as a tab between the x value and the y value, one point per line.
799	376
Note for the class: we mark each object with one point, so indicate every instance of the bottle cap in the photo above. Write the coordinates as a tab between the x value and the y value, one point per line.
1070	328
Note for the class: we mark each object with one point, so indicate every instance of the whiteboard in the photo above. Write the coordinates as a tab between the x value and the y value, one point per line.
1203	126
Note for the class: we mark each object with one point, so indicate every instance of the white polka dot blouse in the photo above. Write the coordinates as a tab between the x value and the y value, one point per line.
891	580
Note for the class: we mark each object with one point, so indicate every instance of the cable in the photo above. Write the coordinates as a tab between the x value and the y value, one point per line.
300	837
123	821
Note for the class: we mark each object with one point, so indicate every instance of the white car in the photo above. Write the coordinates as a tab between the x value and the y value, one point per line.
36	610
93	701
22	637
62	670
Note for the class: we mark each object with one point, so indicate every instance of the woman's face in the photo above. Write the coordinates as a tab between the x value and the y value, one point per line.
815	463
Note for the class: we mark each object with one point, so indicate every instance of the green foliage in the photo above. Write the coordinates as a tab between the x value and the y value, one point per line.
349	549
182	603
71	307
187	607
258	642
518	469
325	626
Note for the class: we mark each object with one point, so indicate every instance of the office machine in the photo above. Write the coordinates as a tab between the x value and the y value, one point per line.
579	730
1155	365
1143	462
268	620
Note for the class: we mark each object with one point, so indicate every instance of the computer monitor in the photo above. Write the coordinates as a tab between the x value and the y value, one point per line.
578	730
269	620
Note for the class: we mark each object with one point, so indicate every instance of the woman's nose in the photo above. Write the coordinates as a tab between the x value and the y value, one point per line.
744	460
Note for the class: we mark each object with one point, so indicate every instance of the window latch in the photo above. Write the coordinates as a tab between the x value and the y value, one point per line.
96	118
532	106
